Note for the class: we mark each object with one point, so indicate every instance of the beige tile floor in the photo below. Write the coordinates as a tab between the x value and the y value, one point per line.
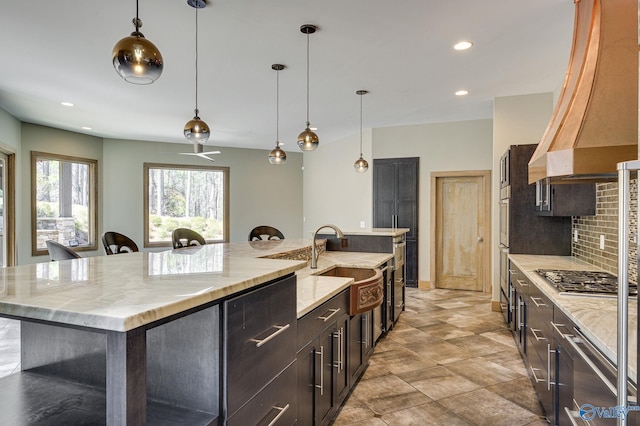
449	360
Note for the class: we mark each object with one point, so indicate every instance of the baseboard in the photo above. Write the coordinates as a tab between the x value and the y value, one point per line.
425	285
495	306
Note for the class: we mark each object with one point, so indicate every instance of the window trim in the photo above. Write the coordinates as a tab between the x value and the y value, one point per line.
145	197
93	199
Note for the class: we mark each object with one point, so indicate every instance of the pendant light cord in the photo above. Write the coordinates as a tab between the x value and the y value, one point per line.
196	110
308	79
360	126
137	22
277	107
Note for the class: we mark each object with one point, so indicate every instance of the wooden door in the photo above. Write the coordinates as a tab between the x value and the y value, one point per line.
461	241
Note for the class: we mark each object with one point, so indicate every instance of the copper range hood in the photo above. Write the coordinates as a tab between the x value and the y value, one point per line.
595	122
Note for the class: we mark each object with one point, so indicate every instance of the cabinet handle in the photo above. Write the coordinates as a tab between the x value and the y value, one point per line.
365	342
333	312
520	322
533	371
280	329
549	352
534	331
593	367
523	283
533	299
572	414
343	351
556	327
512	299
339	364
321	385
280	414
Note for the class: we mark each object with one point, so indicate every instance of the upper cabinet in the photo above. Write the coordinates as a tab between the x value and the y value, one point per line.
595	122
565	200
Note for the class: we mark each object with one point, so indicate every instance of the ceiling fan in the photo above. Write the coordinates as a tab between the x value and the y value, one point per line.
198	150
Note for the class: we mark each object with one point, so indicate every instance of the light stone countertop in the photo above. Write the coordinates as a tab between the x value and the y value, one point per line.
383	232
122	292
595	316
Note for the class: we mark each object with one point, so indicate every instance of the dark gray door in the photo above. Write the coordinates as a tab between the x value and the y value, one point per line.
395	199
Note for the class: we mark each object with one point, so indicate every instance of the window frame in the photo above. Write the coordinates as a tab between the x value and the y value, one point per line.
92	215
145	196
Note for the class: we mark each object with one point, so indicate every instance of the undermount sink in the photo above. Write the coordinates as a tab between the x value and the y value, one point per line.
367	290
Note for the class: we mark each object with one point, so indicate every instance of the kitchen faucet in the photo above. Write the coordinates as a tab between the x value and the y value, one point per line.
314	251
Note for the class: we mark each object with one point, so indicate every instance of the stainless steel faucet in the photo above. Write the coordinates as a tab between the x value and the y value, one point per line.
314	251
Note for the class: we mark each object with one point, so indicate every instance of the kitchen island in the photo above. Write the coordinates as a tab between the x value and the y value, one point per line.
148	338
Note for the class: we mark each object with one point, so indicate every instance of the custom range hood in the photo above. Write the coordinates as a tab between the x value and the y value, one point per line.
595	122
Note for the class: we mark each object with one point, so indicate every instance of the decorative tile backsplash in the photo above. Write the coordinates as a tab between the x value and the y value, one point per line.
605	222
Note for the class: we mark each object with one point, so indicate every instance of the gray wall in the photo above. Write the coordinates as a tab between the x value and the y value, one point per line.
260	193
335	193
54	141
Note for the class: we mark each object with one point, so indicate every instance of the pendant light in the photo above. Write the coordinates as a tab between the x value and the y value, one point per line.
135	58
361	164
277	155
308	140
196	130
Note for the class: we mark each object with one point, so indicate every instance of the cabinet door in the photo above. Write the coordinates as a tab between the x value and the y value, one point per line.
356	354
324	398
306	365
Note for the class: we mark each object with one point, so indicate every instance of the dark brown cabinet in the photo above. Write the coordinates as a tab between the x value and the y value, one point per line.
361	343
565	199
395	204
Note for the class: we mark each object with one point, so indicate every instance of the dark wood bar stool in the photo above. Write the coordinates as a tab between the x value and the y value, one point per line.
269	232
184	237
116	243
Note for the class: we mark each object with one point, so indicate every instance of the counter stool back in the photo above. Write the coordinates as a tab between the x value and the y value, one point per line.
269	232
116	243
184	237
59	252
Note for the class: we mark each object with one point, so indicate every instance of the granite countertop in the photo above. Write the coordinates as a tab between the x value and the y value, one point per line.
595	316
125	291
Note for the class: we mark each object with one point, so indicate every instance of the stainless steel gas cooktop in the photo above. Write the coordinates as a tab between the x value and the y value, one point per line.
594	282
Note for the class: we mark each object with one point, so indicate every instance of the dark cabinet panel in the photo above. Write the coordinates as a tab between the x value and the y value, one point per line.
565	199
395	204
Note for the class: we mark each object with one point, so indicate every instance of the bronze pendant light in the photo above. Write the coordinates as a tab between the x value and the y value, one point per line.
277	155
196	130
308	140
361	164
135	58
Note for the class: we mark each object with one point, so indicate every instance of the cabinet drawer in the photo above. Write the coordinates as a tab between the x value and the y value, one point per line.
260	329
274	405
312	324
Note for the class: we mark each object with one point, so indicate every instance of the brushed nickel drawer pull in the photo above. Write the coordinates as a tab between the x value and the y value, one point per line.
534	331
333	312
280	329
533	372
522	283
572	414
556	327
533	299
280	414
321	385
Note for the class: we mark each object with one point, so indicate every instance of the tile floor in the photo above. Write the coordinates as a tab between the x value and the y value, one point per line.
449	360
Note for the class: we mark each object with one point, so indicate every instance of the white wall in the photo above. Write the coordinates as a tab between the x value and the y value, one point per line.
517	120
333	191
260	193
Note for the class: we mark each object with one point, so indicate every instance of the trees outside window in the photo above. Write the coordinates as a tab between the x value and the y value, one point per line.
63	202
178	196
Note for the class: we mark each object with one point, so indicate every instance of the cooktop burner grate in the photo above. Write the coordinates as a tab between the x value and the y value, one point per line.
584	281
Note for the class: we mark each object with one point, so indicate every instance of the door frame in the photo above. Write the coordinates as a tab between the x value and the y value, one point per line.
486	248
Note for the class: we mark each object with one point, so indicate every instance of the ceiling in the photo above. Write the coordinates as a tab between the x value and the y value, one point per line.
401	51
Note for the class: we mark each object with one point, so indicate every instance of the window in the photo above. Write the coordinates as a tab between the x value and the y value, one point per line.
177	196
63	202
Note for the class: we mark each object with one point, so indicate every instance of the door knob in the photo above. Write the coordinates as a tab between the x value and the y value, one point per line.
480	239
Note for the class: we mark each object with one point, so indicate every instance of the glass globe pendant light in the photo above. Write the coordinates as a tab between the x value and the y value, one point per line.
277	155
308	140
361	164
135	58
196	130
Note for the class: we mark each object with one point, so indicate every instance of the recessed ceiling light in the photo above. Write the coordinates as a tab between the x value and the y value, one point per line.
462	45
69	104
462	92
